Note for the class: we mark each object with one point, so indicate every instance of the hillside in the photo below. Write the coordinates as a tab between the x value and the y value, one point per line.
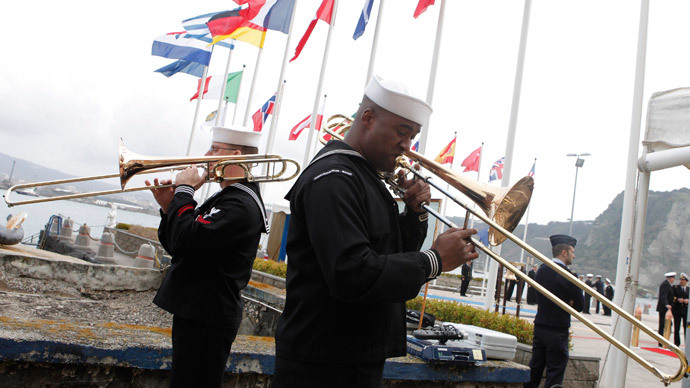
666	240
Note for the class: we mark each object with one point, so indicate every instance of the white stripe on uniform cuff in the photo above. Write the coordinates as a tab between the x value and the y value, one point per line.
434	263
185	189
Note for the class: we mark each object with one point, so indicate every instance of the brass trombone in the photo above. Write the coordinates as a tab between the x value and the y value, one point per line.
132	164
502	224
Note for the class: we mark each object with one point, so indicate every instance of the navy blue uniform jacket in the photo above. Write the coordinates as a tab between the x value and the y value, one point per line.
665	296
213	249
548	313
347	278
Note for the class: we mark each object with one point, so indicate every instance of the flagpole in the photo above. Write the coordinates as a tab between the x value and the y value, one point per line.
200	90
432	74
280	88
324	61
251	88
510	141
223	86
374	44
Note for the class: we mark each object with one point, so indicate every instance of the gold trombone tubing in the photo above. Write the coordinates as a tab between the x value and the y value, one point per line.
666	379
132	164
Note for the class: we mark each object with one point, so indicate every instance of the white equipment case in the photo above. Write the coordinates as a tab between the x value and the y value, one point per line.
497	345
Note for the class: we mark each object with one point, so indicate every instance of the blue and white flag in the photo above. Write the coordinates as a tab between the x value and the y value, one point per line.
175	46
363	19
182	66
197	29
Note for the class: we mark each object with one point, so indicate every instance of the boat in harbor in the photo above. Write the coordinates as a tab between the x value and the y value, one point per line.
30	191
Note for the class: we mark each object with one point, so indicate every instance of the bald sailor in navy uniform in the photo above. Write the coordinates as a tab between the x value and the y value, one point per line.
552	323
213	247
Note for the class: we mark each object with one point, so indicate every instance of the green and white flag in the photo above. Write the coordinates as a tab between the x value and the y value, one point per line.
214	85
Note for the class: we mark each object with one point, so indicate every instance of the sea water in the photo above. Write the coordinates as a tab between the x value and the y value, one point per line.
94	216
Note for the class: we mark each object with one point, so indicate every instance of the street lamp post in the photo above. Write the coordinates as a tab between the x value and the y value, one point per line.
579	162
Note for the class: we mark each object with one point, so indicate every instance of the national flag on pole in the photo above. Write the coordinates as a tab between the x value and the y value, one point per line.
306	123
182	66
496	170
232	25
363	19
214	85
446	155
422	6
471	162
531	172
415	148
270	14
175	46
197	29
324	13
259	118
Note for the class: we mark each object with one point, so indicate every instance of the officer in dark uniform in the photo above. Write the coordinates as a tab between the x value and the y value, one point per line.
213	247
353	258
609	291
680	307
531	291
665	299
588	297
466	272
599	285
551	324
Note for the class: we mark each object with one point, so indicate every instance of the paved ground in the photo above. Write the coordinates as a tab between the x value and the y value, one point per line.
587	342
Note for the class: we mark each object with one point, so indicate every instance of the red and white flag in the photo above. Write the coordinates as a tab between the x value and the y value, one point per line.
297	129
471	163
324	13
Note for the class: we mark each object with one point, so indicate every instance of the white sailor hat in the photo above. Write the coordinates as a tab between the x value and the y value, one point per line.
589	275
236	134
599	276
684	276
394	97
670	274
608	280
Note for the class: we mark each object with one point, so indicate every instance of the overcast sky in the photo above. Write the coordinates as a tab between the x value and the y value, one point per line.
78	75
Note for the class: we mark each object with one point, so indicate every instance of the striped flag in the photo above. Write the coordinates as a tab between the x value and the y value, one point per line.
363	19
270	14
214	85
259	118
175	46
531	172
232	25
197	29
496	170
447	154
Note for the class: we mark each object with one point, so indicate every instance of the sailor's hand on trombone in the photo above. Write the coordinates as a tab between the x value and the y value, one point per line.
455	247
416	192
163	195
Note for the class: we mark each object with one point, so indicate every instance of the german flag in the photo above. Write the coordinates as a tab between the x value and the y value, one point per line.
233	25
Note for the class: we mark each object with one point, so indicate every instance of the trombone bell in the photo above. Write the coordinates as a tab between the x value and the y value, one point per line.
503	205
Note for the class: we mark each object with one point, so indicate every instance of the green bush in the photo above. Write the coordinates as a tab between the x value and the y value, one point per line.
447	311
271	267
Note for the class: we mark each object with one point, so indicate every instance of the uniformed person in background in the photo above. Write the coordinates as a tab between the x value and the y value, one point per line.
353	258
213	248
588	297
665	299
551	324
609	292
680	307
531	291
599	285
